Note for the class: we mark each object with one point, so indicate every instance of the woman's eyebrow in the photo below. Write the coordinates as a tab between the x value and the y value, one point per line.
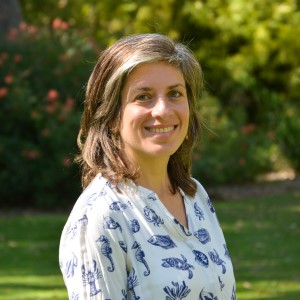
147	89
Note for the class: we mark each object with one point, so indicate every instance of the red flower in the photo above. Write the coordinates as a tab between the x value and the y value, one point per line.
3	92
67	162
8	79
23	26
57	23
52	95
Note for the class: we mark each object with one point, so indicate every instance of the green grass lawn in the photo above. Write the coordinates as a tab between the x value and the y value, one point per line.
263	236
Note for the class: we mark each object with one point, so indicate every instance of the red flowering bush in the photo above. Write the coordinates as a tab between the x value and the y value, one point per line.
42	78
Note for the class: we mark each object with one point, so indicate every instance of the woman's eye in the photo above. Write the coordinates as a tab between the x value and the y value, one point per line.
143	97
175	94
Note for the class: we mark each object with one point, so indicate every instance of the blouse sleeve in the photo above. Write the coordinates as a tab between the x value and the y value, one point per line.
93	257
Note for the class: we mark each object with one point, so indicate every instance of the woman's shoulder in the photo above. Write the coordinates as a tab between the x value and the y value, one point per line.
200	192
98	198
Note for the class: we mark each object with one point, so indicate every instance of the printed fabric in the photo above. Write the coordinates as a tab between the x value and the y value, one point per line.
125	245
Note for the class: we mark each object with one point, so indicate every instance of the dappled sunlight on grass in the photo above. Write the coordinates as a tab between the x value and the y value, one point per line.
268	289
29	257
262	236
32	287
263	239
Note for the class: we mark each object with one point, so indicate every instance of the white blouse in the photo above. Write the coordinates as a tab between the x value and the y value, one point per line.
127	245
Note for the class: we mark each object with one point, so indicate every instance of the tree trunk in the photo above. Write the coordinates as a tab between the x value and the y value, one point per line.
10	15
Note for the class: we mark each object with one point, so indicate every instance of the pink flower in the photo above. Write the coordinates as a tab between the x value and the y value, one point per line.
3	92
57	23
32	29
67	162
8	79
23	26
64	25
52	95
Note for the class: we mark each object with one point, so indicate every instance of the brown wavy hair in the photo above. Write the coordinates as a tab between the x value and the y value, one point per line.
98	138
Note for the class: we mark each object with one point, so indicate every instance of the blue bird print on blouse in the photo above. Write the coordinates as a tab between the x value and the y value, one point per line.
110	223
140	256
90	277
151	197
207	296
123	246
118	206
132	282
198	212
71	265
178	292
134	225
74	296
211	207
90	199
152	217
73	230
179	264
163	241
215	258
106	250
202	235
201	258
83	220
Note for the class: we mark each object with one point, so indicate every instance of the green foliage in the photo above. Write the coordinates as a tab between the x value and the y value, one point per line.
232	150
248	50
250	59
42	73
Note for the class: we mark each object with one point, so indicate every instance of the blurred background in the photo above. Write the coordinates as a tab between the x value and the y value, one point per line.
249	155
249	52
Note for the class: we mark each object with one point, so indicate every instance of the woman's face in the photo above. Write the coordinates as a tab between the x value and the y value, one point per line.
155	112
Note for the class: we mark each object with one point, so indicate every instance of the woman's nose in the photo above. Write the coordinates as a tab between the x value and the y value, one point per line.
161	107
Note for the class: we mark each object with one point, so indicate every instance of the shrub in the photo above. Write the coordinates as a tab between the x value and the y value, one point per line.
42	74
232	150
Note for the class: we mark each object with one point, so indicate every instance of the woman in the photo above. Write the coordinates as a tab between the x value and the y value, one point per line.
143	228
